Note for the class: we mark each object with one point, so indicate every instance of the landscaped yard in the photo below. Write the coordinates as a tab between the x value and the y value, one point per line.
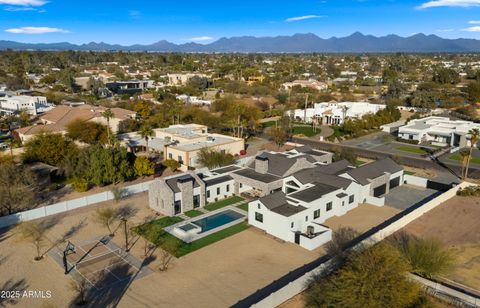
411	149
243	207
269	124
222	203
458	157
154	232
360	162
306	131
193	213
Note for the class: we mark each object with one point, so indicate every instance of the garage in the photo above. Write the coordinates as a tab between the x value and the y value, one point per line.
380	190
394	182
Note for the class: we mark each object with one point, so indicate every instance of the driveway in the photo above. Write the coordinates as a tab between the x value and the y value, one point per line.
403	197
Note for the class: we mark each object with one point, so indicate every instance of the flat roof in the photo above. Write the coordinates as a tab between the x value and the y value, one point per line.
250	173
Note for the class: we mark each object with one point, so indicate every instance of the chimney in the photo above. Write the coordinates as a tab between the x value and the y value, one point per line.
261	164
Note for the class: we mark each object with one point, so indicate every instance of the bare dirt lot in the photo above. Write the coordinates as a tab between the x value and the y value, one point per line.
215	276
456	224
362	218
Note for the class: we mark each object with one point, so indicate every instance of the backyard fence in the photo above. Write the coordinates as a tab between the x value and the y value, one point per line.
69	205
298	280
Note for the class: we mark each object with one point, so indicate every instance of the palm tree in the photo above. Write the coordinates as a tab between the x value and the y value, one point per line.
146	132
464	153
108	114
474	138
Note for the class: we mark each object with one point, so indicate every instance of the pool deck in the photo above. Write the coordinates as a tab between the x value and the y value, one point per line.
191	237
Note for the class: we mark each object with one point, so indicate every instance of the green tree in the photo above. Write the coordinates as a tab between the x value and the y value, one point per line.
35	233
211	158
427	257
474	138
375	277
171	164
109	165
146	132
88	132
106	216
17	188
108	114
48	148
144	166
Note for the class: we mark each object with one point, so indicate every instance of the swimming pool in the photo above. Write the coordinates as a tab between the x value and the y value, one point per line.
214	221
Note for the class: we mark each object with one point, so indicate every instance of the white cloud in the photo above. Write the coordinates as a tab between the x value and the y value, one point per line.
298	18
474	22
472	29
35	30
201	38
17	9
449	3
24	2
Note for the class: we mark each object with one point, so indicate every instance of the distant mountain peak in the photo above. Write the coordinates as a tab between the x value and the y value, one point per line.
357	42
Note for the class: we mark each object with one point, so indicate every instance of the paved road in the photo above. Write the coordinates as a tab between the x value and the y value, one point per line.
417	162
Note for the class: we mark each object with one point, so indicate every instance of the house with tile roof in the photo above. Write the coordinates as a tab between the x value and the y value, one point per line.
57	119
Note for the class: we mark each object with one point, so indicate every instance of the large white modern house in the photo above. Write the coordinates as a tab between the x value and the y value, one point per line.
33	105
439	130
298	190
333	113
311	196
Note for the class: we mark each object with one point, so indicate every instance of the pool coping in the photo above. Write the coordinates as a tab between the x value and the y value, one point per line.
193	237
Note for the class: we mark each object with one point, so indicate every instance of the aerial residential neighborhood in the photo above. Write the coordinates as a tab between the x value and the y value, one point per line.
240	154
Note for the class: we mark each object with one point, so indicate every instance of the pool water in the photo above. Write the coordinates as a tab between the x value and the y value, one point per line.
217	220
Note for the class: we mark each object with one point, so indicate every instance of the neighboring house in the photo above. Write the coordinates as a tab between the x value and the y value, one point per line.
193	100
439	130
57	119
334	113
310	83
129	87
33	105
181	79
309	197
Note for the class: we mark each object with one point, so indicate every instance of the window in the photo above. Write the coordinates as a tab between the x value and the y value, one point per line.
228	188
343	203
241	185
170	156
306	218
218	191
258	206
180	159
291	225
258	217
316	214
351	199
208	193
329	206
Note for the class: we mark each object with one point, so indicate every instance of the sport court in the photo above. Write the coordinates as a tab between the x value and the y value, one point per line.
103	264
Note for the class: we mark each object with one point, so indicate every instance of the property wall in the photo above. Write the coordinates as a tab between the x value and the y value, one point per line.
65	206
273	223
298	285
415	180
319	240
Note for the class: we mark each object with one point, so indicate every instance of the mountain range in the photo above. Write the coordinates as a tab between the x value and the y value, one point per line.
297	43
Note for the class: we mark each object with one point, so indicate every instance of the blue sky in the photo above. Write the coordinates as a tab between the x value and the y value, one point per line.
148	21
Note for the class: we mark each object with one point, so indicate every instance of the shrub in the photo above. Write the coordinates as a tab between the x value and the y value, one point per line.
406	140
470	191
80	185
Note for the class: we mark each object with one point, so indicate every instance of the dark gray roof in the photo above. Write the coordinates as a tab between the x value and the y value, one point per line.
313	193
172	182
316	174
226	169
250	173
277	202
278	164
288	209
336	168
217	180
308	150
374	170
341	195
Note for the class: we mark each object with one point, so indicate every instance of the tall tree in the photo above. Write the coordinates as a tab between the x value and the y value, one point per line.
146	132
474	138
48	148
108	114
17	188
